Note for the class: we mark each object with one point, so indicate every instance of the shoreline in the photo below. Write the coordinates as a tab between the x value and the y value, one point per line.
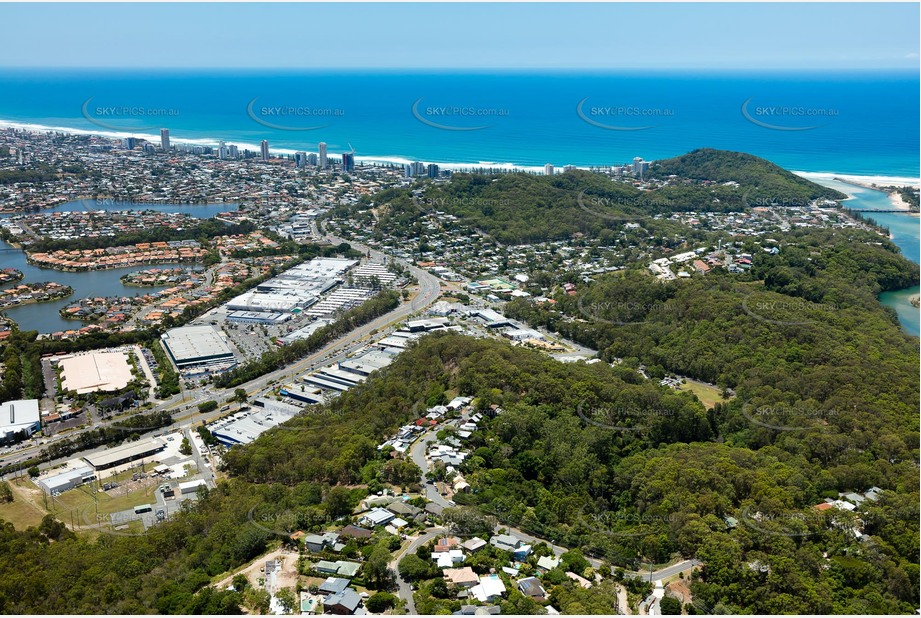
894	196
388	159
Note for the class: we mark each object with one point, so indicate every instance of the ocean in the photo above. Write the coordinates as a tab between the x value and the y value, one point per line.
863	123
823	124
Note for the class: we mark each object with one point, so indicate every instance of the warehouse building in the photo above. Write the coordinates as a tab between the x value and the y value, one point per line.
244	427
124	454
258	317
191	346
191	487
19	419
297	288
367	363
66	480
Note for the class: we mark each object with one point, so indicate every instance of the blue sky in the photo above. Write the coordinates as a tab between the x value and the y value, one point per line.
433	35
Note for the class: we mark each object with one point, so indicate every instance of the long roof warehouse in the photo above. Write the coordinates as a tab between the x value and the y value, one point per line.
123	454
196	345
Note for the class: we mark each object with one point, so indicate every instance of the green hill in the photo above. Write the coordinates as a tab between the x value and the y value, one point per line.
520	208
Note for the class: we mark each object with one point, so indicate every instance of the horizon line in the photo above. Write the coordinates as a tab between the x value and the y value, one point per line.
799	69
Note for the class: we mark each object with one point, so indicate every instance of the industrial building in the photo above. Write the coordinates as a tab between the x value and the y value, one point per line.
367	363
124	454
196	345
258	317
368	273
19	419
66	480
244	427
95	371
341	299
295	289
304	393
191	487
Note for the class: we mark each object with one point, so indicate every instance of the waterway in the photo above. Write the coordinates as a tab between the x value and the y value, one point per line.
44	317
904	229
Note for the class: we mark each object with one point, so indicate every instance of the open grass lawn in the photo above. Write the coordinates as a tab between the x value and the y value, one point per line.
708	395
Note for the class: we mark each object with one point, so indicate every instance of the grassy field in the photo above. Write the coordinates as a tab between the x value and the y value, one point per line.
82	506
21	512
708	395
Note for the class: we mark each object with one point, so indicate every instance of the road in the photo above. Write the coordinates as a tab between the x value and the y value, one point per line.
417	454
405	590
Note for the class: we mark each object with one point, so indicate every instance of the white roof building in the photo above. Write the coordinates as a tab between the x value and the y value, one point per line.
21	415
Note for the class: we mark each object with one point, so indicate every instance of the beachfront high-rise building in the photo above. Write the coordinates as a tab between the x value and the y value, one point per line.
221	150
265	150
348	162
322	148
418	168
164	139
233	152
129	142
640	167
407	170
548	169
432	170
568	168
300	159
312	159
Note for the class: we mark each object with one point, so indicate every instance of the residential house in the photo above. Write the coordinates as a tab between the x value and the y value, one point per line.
474	544
402	508
355	532
491	588
461	578
378	517
319	542
531	587
547	563
447	559
505	542
521	552
446	543
324	566
342	603
332	585
347	569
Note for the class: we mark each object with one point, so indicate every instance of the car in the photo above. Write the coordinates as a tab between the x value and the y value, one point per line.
452	502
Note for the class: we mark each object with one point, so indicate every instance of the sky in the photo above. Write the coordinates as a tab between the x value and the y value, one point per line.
473	36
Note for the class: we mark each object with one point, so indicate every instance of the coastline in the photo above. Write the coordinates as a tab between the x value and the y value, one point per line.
894	196
391	159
